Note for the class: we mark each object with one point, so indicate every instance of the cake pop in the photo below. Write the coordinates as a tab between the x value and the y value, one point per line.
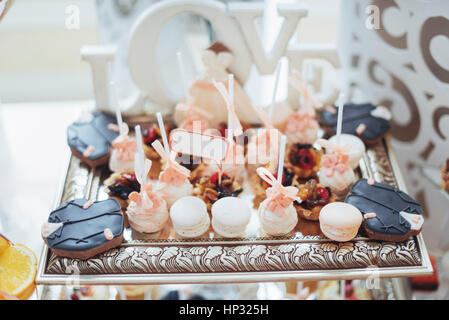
123	147
174	179
147	211
301	126
276	213
335	172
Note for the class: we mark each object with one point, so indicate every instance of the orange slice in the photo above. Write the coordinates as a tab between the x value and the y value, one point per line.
4	243
18	267
7	296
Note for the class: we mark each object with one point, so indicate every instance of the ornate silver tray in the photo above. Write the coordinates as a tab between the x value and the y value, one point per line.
306	255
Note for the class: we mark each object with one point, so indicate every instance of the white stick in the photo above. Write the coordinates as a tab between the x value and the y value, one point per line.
341	102
140	152
115	101
160	121
281	158
276	82
182	73
231	96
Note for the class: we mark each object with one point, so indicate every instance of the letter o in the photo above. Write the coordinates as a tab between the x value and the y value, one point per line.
145	33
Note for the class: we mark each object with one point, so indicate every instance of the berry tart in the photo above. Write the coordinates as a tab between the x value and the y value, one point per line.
314	197
210	188
120	185
304	160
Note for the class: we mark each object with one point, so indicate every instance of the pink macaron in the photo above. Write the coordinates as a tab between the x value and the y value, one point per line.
340	221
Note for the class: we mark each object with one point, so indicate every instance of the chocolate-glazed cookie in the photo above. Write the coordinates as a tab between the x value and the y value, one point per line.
81	229
365	120
90	141
389	213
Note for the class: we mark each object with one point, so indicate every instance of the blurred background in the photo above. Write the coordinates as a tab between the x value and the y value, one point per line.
40	57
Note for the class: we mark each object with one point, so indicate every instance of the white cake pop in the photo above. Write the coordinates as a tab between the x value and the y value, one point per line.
174	179
335	171
276	213
356	150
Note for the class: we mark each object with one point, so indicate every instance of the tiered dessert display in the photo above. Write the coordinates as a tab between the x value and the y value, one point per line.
291	205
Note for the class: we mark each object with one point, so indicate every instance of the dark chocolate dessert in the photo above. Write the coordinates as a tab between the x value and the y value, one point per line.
389	213
91	140
364	120
81	229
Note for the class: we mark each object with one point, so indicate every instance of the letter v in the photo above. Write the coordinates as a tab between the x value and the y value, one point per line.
245	14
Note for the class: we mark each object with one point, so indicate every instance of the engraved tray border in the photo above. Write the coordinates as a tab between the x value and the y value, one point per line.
246	260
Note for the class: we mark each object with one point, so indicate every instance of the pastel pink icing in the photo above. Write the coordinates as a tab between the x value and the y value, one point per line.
125	146
174	173
335	161
147	211
301	121
279	198
194	117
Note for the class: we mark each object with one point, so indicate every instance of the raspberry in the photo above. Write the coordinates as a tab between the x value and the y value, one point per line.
149	135
306	160
214	177
130	176
222	131
74	296
283	178
323	193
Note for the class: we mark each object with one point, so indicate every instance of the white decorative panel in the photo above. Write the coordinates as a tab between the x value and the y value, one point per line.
402	62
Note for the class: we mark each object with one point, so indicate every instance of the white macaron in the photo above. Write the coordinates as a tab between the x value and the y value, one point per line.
189	216
230	216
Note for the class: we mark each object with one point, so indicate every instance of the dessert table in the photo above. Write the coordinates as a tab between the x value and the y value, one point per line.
305	255
14	114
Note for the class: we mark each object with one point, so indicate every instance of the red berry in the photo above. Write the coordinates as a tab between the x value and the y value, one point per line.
306	160
349	290
74	296
150	135
283	177
222	131
129	176
214	177
323	193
